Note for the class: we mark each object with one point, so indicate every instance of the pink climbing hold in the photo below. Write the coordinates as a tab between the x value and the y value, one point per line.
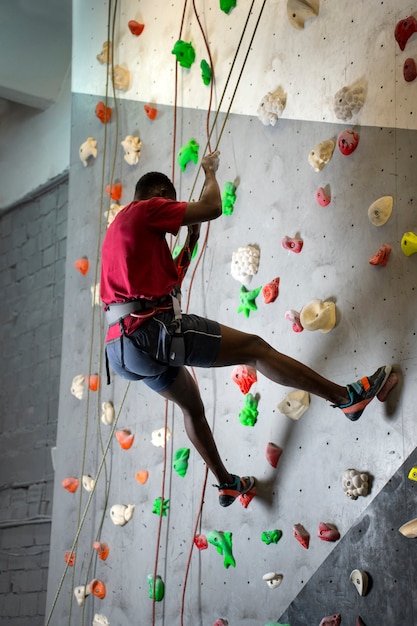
347	141
331	620
221	622
244	376
328	532
322	198
381	257
273	453
293	244
294	317
201	542
302	535
409	70
270	291
404	29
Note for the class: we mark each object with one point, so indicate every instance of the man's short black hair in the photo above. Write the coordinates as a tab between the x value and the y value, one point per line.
154	184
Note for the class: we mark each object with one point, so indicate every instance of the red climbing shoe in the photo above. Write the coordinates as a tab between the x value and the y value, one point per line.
228	492
363	391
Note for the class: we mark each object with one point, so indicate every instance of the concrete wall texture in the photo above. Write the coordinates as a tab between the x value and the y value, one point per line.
32	257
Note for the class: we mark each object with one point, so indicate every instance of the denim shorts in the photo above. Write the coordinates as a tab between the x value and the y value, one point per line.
143	354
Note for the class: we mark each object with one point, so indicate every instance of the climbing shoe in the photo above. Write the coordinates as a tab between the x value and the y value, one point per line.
363	391
228	492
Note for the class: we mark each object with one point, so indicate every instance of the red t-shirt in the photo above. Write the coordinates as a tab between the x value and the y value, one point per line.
136	261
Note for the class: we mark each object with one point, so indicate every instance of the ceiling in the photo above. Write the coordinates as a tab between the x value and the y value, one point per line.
35	51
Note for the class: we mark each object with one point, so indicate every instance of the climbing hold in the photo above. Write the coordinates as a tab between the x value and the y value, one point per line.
348	101
205	72
88	482
111	213
295	404
77	386
409	529
359	621
273	453
382	256
150	111
412	474
121	514
142	476
107	413
160	506
247	300
135	27
221	622
69	558
409	243
270	291
293	244
184	53
93	382
70	484
380	210
272	579
328	532
120	77
228	198
271	536
409	70
102	549
404	29
88	149
244	376
227	5
103	113
104	58
82	265
347	141
245	263
201	542
100	620
188	152
321	155
331	620
115	191
246	498
223	544
131	146
180	463
125	438
360	580
271	107
159	436
302	536
294	317
318	315
81	593
299	11
355	483
322	198
156	587
98	588
249	414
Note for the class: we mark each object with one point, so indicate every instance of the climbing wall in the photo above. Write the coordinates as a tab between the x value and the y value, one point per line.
253	53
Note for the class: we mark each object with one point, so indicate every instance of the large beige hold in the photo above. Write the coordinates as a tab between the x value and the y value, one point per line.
409	529
295	404
301	10
321	154
380	211
319	315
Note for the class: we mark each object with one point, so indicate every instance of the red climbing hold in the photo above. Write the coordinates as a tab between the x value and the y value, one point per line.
273	453
102	549
270	291
69	558
409	70
293	244
404	29
71	484
201	542
246	498
244	376
135	28
103	113
302	536
81	265
331	620
347	141
115	191
381	257
150	111
322	198
328	532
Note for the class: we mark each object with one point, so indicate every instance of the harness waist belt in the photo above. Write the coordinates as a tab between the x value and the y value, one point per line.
118	310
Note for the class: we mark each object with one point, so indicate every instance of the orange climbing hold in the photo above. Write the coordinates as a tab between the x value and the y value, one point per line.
135	28
102	549
69	558
142	476
93	382
103	113
125	438
270	291
382	256
70	484
115	191
98	588
150	111
81	265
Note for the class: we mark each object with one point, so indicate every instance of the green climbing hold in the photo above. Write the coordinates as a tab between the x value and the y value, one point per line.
228	198
247	300
249	413
188	152
156	588
180	463
160	506
271	536
205	72
227	5
184	52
